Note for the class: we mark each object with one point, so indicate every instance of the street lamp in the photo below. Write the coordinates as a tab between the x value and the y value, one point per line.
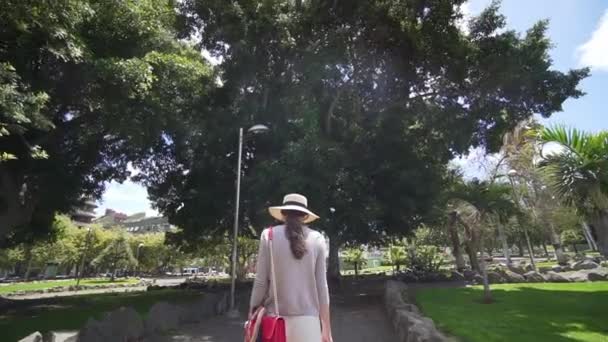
255	129
512	174
84	254
137	258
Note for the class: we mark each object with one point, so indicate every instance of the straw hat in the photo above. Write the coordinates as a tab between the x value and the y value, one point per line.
294	202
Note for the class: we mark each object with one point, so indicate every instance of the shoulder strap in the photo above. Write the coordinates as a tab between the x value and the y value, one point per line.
272	274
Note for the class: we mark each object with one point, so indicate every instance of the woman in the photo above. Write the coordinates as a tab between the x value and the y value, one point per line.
301	282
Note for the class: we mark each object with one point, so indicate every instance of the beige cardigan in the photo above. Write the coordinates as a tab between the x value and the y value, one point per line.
301	284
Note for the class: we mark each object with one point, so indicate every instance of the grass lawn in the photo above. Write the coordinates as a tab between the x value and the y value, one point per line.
550	263
41	285
521	312
71	313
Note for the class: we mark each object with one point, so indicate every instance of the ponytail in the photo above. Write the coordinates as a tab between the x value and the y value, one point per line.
295	233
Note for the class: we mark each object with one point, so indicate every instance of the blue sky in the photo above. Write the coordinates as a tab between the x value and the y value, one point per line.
579	31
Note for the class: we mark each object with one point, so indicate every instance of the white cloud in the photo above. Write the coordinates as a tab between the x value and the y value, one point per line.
594	52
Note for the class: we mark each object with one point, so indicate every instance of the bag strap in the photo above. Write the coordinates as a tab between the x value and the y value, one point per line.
272	274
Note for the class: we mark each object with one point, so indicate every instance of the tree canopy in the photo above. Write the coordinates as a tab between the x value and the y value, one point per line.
86	87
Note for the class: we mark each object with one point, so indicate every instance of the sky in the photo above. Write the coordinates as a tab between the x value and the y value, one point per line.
579	32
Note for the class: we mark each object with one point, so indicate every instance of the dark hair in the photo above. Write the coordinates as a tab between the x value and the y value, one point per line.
294	231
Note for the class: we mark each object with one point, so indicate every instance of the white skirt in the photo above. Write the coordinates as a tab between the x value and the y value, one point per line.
303	329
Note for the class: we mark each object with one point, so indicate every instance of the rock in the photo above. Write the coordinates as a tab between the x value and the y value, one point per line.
469	274
534	277
162	317
578	276
495	278
594	275
544	269
513	277
123	324
477	279
553	277
457	276
62	336
557	268
584	265
33	337
517	268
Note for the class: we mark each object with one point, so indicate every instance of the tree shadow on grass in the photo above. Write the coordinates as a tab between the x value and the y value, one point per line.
520	314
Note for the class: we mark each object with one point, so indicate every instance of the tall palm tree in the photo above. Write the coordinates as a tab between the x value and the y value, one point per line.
578	174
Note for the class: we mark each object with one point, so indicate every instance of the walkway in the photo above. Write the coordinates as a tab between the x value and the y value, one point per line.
356	317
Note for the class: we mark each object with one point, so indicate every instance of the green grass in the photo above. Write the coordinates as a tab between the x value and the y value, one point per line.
41	285
71	313
550	263
521	312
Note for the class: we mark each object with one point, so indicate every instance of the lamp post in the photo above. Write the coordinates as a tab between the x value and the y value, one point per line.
512	174
84	254
137	258
255	129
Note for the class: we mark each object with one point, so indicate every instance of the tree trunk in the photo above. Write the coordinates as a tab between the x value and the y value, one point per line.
356	269
545	249
505	245
601	232
456	250
520	248
589	237
487	294
472	253
28	268
556	241
574	248
333	272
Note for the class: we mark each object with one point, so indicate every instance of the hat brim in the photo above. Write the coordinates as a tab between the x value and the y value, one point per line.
276	213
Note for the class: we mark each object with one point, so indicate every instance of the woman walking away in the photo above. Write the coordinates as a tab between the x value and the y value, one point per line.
298	254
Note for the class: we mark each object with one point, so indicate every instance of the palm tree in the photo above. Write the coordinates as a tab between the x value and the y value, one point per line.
397	256
474	202
579	174
357	257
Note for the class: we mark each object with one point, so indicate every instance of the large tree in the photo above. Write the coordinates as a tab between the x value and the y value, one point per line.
367	101
85	87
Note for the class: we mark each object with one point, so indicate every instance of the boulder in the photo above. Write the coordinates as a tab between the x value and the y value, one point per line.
534	277
544	269
162	317
553	277
469	274
477	279
33	337
513	277
597	275
578	276
62	336
557	268
457	276
585	264
123	324
495	278
517	268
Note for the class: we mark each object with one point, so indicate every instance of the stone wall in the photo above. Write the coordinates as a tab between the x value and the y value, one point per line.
410	325
125	324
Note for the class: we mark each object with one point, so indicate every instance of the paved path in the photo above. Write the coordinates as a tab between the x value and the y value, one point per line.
356	317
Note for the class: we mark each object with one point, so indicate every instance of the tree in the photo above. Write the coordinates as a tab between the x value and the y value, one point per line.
85	87
579	174
572	238
397	256
368	101
117	255
355	256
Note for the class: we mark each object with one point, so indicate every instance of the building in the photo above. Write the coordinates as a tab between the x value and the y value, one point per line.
84	213
145	225
137	223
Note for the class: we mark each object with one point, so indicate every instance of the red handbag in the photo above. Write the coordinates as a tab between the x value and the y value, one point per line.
272	327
